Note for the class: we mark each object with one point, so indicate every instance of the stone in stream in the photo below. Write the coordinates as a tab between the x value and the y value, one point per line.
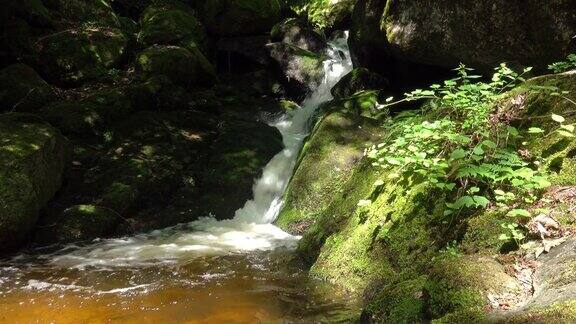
33	157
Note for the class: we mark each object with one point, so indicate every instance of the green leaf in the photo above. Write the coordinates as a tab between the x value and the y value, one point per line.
481	201
565	133
519	213
558	118
364	202
457	154
569	128
535	130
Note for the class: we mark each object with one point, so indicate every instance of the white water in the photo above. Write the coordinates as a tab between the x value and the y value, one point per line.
251	228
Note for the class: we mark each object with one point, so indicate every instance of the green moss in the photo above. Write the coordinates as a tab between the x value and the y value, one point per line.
460	284
398	301
182	66
235	18
326	161
561	312
327	14
172	25
76	55
482	233
22	89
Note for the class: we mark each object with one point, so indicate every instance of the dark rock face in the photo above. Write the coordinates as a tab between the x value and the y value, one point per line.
22	89
239	18
357	80
33	157
481	34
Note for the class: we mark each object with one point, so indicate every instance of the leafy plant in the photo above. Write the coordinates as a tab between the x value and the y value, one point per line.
563	66
461	145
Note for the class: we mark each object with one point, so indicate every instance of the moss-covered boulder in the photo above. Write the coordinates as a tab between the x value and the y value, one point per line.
330	15
88	12
76	55
330	154
356	80
237	18
304	70
33	157
481	34
185	67
300	33
173	24
22	89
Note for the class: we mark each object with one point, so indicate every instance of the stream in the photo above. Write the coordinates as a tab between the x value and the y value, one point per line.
206	271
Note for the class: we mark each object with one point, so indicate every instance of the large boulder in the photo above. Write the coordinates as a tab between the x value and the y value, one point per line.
76	55
186	67
481	34
299	33
238	18
22	89
33	157
173	24
330	14
304	70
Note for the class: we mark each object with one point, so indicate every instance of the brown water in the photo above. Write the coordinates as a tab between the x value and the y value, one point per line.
255	287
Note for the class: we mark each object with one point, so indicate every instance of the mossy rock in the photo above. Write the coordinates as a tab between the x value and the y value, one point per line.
397	301
182	66
300	33
237	18
72	56
173	25
22	89
480	34
325	164
357	80
33	156
462	283
87	12
330	15
303	69
79	223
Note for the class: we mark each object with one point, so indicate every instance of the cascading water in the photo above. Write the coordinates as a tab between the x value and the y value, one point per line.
193	271
251	228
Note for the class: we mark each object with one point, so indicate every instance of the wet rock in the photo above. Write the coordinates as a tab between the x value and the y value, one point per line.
76	55
171	24
240	152
239	18
329	14
356	80
22	89
78	223
299	33
481	34
182	66
33	156
303	69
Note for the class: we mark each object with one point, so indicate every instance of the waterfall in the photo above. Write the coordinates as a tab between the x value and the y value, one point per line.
251	228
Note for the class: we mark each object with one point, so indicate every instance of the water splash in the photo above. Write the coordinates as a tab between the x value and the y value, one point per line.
251	229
